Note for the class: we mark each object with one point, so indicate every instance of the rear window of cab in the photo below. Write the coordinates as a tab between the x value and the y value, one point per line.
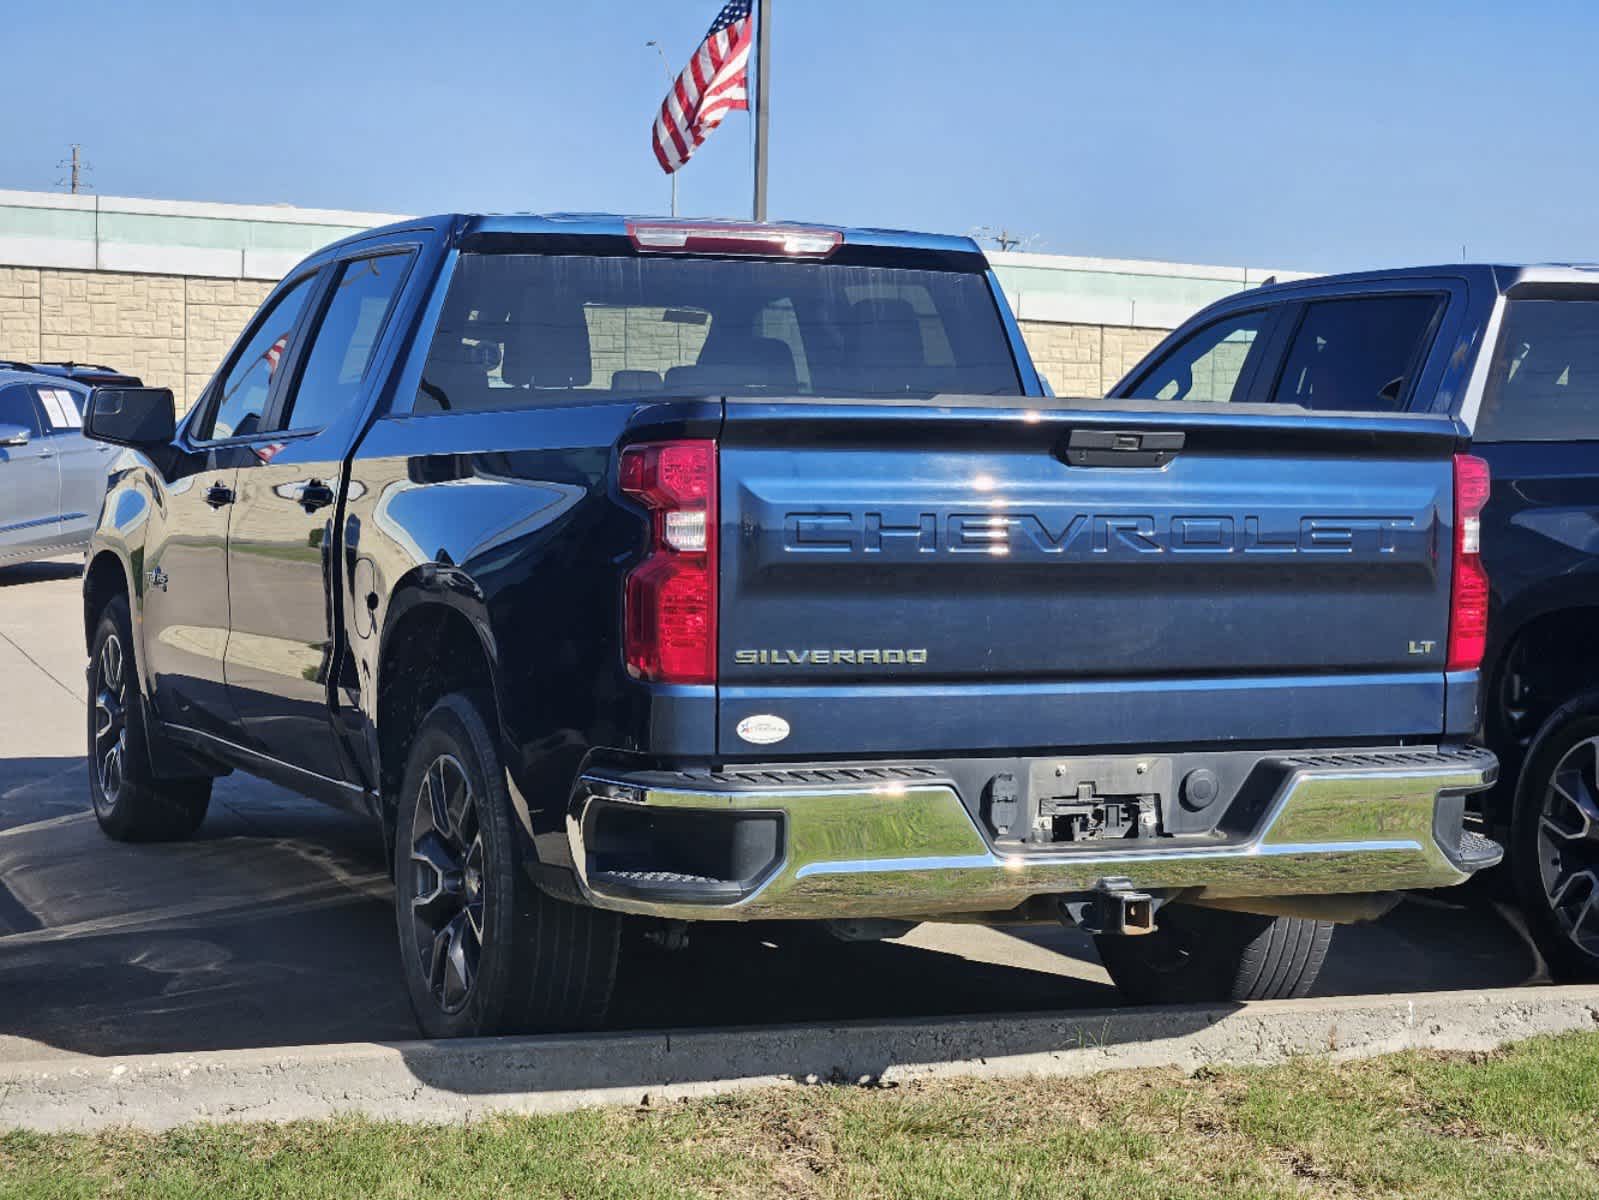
519	330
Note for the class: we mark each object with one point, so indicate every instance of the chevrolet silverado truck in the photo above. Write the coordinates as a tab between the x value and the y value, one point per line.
1512	354
634	573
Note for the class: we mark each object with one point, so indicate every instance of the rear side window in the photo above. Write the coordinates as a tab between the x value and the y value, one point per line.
1211	366
519	330
1358	355
341	349
1544	384
61	408
241	394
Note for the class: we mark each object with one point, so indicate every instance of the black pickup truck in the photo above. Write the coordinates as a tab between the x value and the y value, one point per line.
638	572
1512	353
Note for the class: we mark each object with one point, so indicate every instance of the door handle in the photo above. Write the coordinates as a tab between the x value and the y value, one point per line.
219	495
315	494
1122	448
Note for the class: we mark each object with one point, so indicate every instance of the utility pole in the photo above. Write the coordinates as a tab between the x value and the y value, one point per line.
1004	239
670	83
763	101
75	169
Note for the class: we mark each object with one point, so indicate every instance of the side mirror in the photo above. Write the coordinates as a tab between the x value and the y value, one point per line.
14	435
141	417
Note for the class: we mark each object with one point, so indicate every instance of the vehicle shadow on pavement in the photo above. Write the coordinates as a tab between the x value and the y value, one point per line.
39	572
1447	940
274	926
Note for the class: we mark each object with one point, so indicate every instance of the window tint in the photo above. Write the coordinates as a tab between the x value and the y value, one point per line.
242	392
341	349
1357	355
1544	385
520	329
16	408
1209	365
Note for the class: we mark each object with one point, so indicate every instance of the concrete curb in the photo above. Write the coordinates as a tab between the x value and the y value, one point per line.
456	1081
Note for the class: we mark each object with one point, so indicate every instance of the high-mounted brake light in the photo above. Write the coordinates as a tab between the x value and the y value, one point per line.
1468	587
719	237
669	613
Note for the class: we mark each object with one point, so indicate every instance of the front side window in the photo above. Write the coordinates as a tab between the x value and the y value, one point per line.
16	408
341	349
1357	355
1209	366
241	394
524	329
1544	385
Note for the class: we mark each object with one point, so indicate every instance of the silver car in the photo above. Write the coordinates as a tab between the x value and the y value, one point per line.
52	478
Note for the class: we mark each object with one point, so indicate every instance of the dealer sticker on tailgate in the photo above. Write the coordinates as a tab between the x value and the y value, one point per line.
763	729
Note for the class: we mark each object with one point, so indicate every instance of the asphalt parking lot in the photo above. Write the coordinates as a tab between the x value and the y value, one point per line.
274	927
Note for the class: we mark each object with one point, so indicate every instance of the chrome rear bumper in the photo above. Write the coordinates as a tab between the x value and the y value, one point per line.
1339	823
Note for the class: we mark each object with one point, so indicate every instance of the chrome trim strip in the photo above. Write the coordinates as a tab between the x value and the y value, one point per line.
247	757
1018	862
901	849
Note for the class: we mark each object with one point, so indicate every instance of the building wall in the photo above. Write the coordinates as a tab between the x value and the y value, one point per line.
169	330
1085	360
173	331
162	287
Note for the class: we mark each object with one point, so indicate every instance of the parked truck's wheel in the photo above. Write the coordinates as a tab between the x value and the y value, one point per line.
130	803
1203	954
1554	839
485	951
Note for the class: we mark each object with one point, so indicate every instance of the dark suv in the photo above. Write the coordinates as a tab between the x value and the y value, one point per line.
1512	353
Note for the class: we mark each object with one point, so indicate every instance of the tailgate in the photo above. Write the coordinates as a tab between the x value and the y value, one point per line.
953	576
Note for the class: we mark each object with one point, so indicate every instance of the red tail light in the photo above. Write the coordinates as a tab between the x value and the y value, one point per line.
1468	589
669	618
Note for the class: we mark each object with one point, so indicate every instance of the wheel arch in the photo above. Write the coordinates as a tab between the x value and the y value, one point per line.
436	640
104	578
1549	655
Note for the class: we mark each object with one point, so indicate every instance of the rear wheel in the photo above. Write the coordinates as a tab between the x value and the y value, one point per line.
1202	954
1554	850
484	950
130	803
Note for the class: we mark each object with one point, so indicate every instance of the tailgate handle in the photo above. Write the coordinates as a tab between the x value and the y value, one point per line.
1122	448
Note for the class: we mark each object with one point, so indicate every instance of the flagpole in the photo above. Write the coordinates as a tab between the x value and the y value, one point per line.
667	67
763	98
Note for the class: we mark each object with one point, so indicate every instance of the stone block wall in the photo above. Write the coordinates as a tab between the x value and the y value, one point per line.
132	322
170	330
217	311
19	312
1086	360
173	331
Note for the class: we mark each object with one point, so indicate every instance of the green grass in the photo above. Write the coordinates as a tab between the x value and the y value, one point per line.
1521	1123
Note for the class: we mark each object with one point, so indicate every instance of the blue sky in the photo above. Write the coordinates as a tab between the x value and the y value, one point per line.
1283	133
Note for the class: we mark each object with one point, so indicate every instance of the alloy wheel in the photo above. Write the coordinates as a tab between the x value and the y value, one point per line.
448	882
1568	845
110	722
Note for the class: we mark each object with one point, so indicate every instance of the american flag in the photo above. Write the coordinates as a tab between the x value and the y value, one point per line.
714	83
274	353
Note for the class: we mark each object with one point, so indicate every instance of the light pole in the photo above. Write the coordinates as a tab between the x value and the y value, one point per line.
670	83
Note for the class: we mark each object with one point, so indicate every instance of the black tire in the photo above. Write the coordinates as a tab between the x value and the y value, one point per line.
130	803
1554	840
484	951
1198	955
